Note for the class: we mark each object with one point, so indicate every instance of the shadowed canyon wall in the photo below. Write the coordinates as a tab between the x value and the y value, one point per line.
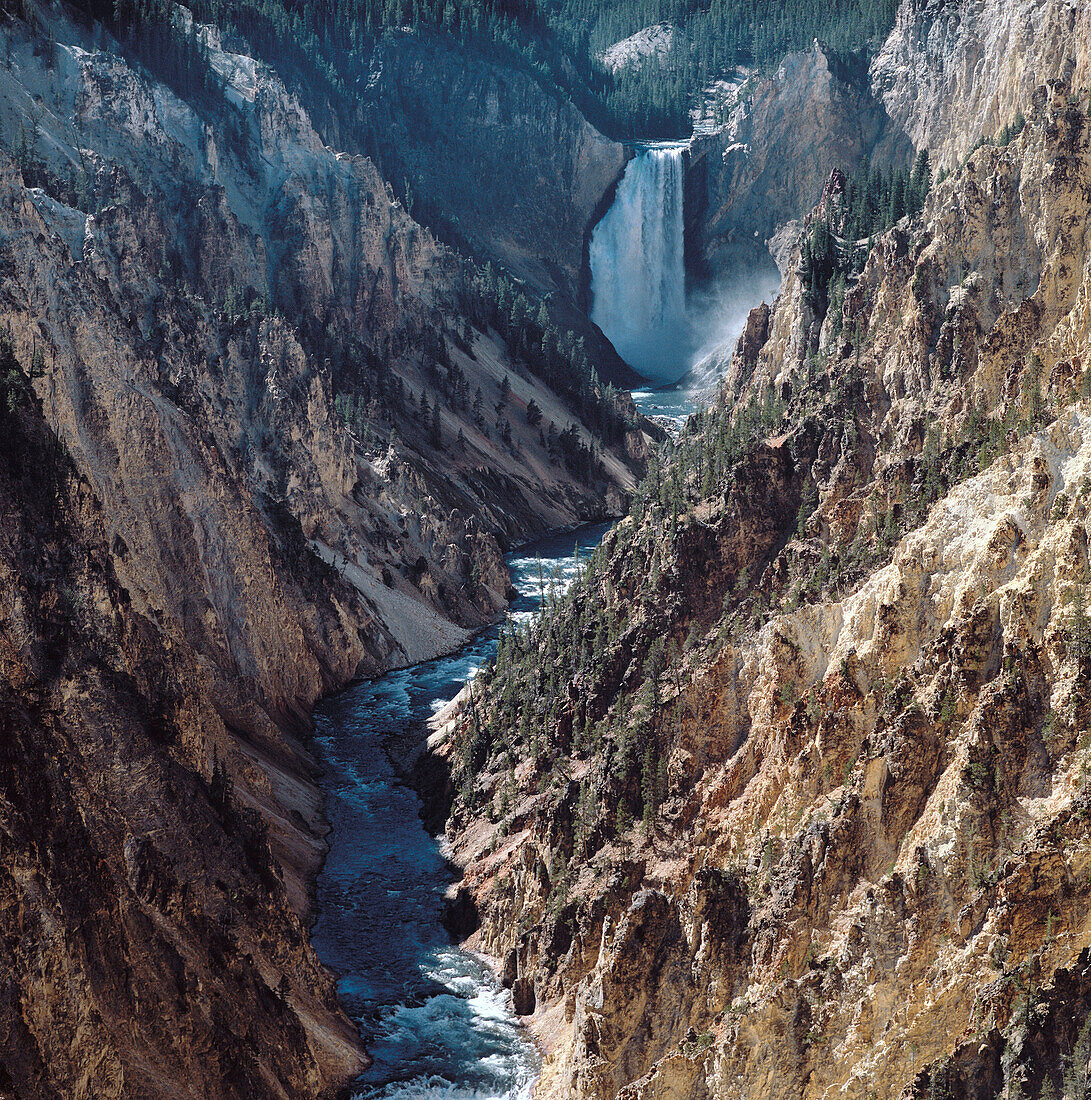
242	464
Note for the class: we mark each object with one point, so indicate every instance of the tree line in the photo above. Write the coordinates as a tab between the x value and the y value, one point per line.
840	236
559	358
325	46
710	40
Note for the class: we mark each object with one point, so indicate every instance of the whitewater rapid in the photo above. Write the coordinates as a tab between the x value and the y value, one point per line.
432	1016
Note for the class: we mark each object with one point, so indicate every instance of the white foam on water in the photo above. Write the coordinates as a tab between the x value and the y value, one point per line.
439	1088
490	1005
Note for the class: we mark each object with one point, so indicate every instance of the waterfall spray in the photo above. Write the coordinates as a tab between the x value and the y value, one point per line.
638	278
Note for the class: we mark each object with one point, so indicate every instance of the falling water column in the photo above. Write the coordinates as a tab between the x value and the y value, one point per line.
637	255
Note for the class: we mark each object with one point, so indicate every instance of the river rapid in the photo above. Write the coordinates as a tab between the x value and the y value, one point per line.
432	1016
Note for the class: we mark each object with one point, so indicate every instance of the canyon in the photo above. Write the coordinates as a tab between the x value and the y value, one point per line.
784	796
261	438
811	815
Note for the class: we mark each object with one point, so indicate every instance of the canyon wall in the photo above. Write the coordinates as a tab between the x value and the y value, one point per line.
766	165
951	74
797	803
243	464
521	169
499	158
947	77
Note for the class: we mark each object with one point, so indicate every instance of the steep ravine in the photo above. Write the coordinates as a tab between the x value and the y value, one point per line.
787	800
433	1016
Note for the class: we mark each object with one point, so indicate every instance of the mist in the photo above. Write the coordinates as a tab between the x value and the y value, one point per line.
716	316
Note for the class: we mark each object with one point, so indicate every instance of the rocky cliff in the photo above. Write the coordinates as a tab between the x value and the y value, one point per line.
518	165
498	158
797	803
259	438
159	818
951	74
784	134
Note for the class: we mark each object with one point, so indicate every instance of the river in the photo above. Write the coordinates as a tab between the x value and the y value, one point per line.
669	406
431	1015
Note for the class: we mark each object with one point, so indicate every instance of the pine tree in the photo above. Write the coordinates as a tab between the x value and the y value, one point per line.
436	426
919	181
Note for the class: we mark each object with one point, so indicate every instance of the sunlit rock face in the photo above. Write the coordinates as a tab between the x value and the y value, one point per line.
873	837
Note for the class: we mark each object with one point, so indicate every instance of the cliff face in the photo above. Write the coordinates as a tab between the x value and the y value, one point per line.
241	465
950	74
157	819
947	76
514	167
766	165
836	660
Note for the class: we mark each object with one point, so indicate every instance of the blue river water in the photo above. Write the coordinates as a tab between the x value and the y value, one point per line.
432	1016
669	406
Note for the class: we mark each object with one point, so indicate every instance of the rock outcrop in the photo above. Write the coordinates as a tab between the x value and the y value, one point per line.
951	74
835	666
766	165
517	165
948	77
648	46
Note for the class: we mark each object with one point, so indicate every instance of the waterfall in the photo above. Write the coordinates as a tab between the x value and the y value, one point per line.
638	279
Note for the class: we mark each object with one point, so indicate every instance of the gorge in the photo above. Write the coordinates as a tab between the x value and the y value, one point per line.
315	320
432	1016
